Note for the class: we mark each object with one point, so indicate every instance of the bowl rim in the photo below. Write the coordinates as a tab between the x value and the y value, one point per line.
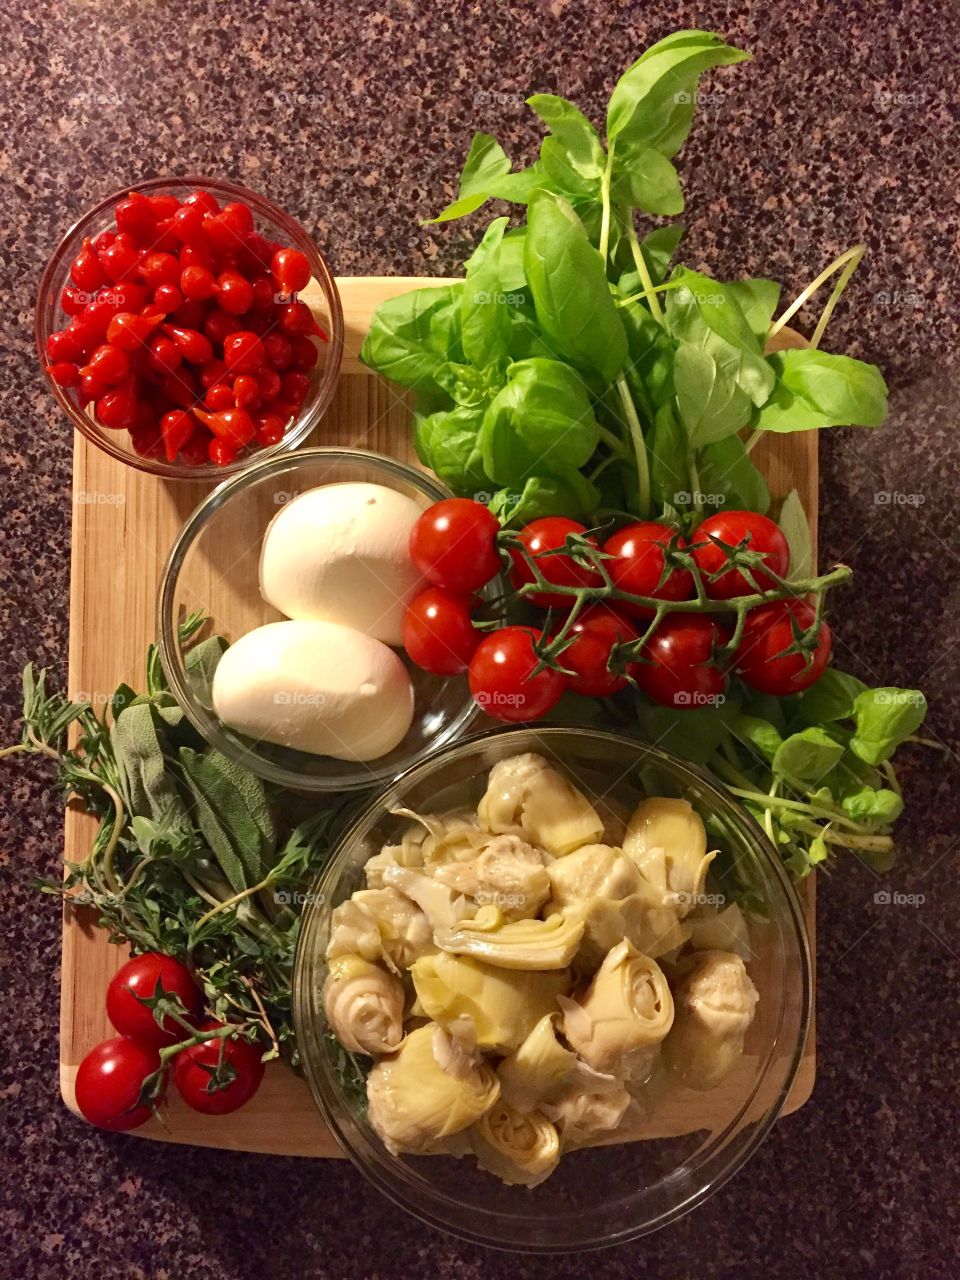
167	636
325	388
730	1164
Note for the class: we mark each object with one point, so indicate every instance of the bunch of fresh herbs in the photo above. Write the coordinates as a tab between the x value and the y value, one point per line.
573	371
193	856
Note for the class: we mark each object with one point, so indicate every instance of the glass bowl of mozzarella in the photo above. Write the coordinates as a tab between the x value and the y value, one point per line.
552	989
300	566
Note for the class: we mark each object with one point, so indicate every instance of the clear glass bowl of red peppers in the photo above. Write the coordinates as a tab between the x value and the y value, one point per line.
187	325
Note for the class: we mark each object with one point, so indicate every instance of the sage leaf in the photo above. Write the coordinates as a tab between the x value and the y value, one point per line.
795	527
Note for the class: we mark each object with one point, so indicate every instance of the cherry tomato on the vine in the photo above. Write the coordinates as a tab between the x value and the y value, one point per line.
639	565
453	544
680	666
140	977
109	1081
438	633
502	681
595	633
762	659
548	534
194	1068
748	531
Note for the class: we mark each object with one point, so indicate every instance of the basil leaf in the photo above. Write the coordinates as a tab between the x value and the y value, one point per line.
573	131
711	405
694	733
413	337
654	100
485	163
484	318
815	389
704	313
761	735
564	495
667	448
509	254
758	300
869	805
729	478
567	278
795	527
643	177
651	351
830	698
542	422
807	756
658	249
883	718
448	443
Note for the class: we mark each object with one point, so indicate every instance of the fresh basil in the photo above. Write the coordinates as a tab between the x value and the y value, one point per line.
883	719
815	389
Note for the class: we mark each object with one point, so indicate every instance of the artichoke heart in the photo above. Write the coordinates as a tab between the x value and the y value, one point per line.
582	1117
426	1091
520	1149
595	871
537	1070
667	841
525	795
364	1005
715	1003
504	1005
514	944
726	930
442	906
619	1022
380	924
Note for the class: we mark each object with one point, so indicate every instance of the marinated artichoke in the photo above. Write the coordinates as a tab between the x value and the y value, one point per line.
514	944
667	841
364	1006
715	1004
619	1022
521	1149
503	1005
426	1091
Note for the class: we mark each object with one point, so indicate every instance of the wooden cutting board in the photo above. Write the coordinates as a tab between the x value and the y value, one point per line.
123	525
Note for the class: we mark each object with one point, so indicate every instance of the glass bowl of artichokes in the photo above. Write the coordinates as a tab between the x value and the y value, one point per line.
552	989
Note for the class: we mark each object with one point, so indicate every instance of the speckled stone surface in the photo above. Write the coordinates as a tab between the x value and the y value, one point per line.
355	117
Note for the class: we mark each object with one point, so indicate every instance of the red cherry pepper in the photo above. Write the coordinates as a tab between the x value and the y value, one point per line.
86	271
176	427
117	409
291	270
243	352
136	217
220	452
234	292
64	373
194	347
129	332
109	364
234	426
218	397
297	318
160	268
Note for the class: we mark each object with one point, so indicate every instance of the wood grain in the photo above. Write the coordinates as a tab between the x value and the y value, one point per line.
124	523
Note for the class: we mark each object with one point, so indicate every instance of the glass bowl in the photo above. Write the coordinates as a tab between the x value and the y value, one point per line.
273	223
214	566
692	1142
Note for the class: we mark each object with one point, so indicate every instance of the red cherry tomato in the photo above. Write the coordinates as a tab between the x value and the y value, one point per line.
193	1073
595	633
109	1081
748	531
438	633
453	544
680	666
502	681
638	564
548	534
769	630
141	977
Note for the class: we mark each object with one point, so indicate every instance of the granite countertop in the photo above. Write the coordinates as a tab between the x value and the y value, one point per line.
355	117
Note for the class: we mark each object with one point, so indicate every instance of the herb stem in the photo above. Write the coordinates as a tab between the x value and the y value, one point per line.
639	446
849	261
649	290
232	902
605	207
